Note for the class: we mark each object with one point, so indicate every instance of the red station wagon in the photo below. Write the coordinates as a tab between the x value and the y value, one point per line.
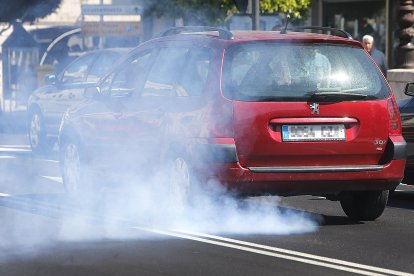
261	112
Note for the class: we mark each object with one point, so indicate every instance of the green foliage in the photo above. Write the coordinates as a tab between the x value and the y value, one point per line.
26	10
192	11
216	12
293	8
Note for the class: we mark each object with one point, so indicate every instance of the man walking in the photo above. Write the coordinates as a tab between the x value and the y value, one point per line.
378	56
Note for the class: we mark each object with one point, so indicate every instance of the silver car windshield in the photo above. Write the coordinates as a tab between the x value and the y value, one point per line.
292	72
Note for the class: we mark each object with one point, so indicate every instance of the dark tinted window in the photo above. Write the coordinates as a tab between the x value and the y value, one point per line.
196	71
129	75
103	64
166	72
276	71
77	70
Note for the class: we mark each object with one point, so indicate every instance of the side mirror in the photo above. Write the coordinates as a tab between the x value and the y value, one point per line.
409	89
50	79
92	92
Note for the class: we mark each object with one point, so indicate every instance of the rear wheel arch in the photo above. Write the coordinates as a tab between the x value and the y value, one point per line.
68	132
34	108
174	149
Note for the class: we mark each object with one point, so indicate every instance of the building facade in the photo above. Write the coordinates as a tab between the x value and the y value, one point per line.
359	17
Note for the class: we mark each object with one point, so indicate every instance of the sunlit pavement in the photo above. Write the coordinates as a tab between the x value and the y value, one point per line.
10	139
38	214
18	167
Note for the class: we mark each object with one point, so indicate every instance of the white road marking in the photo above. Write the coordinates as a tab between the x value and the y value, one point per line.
281	253
53	178
406	188
7	157
407	185
269	250
16	146
51	160
8	149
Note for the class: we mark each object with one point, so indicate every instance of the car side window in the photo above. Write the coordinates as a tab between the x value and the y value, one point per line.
131	74
165	73
103	64
196	71
242	60
76	71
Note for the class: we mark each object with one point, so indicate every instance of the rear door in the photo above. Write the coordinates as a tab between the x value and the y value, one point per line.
307	105
110	128
146	113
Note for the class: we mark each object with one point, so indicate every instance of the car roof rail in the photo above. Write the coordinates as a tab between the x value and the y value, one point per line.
222	33
337	31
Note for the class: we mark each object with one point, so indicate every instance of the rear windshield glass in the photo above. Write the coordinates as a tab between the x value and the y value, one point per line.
284	72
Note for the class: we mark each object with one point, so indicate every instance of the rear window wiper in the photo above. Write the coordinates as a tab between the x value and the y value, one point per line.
336	96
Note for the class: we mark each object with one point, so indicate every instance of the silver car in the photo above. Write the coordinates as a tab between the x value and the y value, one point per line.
48	103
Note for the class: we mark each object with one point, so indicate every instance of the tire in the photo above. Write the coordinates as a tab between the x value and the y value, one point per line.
181	182
364	205
73	168
37	136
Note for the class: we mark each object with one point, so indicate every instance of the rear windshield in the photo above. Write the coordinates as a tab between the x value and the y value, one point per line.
284	72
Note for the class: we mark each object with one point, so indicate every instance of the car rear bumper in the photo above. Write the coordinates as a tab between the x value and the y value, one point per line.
246	181
306	179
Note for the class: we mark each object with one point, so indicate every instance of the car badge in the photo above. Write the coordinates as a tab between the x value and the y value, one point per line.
314	107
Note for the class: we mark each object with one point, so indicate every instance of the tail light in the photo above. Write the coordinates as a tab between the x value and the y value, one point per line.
394	117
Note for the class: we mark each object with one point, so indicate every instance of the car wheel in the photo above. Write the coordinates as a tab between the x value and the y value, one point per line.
37	136
180	182
73	167
364	205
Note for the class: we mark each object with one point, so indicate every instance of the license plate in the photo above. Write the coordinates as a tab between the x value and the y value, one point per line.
331	132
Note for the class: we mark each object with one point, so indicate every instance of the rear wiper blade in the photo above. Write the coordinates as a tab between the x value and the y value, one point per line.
336	96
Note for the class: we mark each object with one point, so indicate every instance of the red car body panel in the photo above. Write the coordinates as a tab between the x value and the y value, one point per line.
239	143
258	134
242	180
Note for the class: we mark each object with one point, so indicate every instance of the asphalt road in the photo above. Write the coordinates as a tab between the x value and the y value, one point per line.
134	232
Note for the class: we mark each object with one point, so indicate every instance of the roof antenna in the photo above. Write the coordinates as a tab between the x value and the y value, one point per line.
284	30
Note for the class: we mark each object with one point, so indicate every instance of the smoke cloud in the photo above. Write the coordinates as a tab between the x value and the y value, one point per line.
144	202
37	220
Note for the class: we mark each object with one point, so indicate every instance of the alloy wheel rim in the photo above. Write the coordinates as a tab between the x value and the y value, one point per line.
35	130
180	182
71	168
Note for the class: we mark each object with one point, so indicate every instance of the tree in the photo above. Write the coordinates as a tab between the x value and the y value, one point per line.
192	11
294	8
26	10
216	12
